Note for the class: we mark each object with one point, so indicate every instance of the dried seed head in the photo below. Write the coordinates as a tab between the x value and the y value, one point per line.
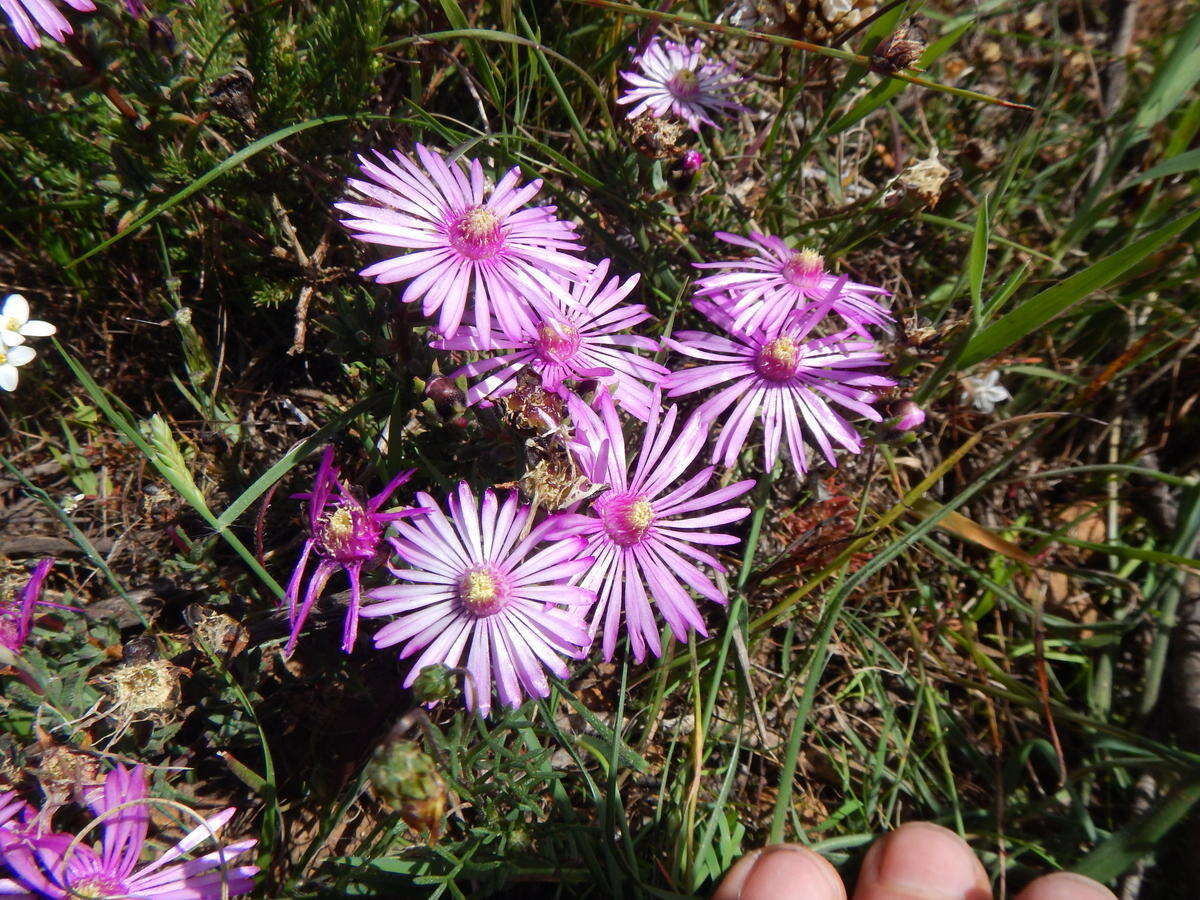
216	632
896	52
407	781
145	688
819	21
921	183
64	773
655	137
530	409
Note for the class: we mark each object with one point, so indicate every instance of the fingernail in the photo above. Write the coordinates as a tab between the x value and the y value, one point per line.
1066	886
928	861
788	872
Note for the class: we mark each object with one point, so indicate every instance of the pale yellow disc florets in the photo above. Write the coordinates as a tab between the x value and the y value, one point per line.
640	514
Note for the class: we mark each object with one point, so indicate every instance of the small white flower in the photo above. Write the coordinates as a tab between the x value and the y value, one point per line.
10	358
984	393
15	324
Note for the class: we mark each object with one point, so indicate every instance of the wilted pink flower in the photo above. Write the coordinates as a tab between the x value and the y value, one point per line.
763	290
570	343
643	549
27	16
786	379
60	866
344	533
480	588
675	78
463	239
16	616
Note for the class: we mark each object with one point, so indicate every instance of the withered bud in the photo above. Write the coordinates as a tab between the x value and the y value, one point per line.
407	781
444	393
530	409
896	53
161	35
656	137
233	95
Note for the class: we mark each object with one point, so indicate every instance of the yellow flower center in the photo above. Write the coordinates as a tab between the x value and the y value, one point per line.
341	523
684	82
483	591
809	260
479	223
640	514
481	587
626	517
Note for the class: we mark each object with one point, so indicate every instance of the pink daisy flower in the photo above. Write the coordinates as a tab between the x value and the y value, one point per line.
786	379
60	866
570	343
675	78
16	616
463	238
481	586
643	548
27	16
344	533
761	291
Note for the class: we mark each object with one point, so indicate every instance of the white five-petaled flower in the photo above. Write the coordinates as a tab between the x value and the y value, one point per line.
984	393
15	324
675	78
10	359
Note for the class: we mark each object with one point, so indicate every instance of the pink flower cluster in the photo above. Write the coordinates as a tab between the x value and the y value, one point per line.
484	584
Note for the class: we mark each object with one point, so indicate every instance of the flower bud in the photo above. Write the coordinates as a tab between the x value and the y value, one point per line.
444	393
907	415
433	683
160	35
686	169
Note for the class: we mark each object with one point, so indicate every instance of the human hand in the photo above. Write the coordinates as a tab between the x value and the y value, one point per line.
917	861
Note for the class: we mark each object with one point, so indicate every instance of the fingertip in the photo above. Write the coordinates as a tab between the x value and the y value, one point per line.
1066	886
920	859
781	872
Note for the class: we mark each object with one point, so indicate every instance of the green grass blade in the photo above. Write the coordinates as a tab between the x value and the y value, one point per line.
977	259
211	175
1040	309
1126	847
1174	80
1176	165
